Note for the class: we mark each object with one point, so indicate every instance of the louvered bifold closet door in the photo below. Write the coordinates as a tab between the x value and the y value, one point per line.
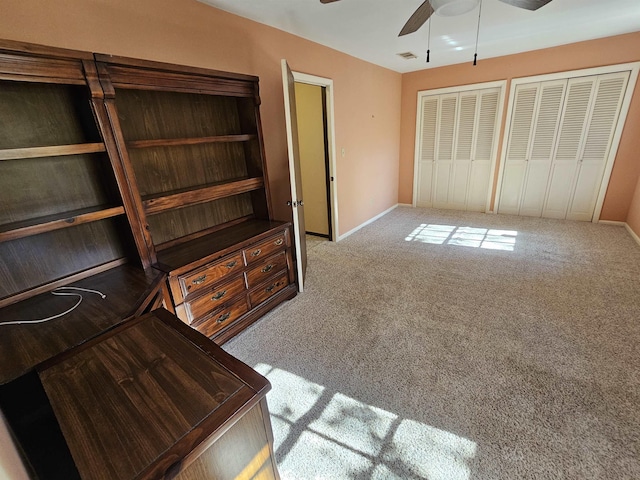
572	130
483	149
543	138
603	118
515	168
445	149
463	151
428	123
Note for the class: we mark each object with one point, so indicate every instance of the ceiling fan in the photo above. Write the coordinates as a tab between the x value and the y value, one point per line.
450	8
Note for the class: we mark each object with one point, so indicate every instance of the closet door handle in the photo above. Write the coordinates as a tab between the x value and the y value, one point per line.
223	317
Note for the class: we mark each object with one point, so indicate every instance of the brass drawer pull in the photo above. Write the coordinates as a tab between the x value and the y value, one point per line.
267	268
232	264
199	280
223	317
255	253
279	242
219	295
270	288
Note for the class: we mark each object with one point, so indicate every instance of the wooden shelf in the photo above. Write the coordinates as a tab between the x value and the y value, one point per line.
206	193
51	151
170	142
34	226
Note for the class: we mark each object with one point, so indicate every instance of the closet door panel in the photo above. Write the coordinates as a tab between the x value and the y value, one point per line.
428	127
445	149
547	117
483	153
570	139
607	101
518	148
464	142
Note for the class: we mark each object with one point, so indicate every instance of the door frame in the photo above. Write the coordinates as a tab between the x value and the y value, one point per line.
632	67
331	143
502	84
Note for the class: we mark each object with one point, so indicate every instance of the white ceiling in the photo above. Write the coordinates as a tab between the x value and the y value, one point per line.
368	29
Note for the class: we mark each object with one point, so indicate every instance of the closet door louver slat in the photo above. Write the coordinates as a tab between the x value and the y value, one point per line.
445	149
428	150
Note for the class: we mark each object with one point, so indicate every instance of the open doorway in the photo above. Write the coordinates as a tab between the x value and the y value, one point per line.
315	134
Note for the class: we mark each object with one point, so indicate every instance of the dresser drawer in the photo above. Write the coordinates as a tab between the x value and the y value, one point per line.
205	303
269	289
206	276
265	270
223	317
264	249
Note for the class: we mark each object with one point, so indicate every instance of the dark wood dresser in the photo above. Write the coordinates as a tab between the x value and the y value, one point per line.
151	398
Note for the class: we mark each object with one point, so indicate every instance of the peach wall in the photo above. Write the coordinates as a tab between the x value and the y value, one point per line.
607	51
367	97
633	219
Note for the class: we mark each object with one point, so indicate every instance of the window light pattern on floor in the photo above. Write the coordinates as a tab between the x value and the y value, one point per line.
464	236
337	436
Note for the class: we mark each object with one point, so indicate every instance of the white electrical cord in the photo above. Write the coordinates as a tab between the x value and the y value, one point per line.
58	292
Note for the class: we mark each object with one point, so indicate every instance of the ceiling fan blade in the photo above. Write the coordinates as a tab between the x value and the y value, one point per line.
328	1
419	18
527	4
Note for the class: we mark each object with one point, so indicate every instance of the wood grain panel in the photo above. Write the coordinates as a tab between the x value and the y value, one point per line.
173	224
170	142
269	289
38	115
49	223
162	169
242	453
202	194
211	247
126	401
263	271
55	151
28	262
205	303
24	346
38	187
17	66
222	318
205	277
151	115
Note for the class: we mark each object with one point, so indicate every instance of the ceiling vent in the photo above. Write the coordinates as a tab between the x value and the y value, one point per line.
408	55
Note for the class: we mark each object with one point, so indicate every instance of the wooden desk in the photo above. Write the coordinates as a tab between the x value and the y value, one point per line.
150	399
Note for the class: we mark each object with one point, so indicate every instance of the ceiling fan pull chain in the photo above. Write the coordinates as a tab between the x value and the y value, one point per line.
475	55
429	41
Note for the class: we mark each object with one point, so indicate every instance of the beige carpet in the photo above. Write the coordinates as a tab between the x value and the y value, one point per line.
446	345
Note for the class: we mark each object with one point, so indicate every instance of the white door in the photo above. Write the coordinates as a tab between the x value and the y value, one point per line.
483	150
603	119
517	156
428	123
465	137
572	130
456	145
543	138
288	84
444	152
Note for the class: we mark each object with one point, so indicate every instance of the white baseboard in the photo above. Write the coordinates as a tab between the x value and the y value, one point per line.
371	220
405	205
633	234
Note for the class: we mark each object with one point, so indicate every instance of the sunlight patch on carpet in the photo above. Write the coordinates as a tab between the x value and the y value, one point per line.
475	237
335	436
